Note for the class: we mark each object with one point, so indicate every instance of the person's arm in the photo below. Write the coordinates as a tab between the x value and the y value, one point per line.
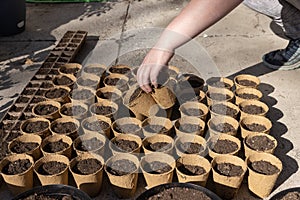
197	16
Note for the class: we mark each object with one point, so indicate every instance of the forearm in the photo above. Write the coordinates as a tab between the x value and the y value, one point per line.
197	16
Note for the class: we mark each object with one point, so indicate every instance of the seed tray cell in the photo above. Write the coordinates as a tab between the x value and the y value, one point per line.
27	115
42	77
29	92
69	34
29	107
33	84
79	36
63	60
16	108
54	72
69	50
41	92
23	99
37	100
8	124
65	40
12	116
66	54
47	84
59	49
73	45
75	41
51	59
47	65
12	135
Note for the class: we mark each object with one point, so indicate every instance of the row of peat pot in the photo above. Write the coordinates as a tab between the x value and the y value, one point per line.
227	172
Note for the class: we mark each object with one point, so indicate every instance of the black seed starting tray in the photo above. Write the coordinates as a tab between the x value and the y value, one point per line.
64	52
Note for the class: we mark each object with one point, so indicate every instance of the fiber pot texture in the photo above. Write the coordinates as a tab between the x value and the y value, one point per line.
254	120
55	138
61	122
224	108
48	115
73	107
87	125
59	178
187	120
125	137
199	110
262	112
123	185
193	160
158	138
257	180
218	125
239	79
269	149
20	182
127	121
165	124
43	133
89	183
184	145
153	180
252	94
219	82
164	95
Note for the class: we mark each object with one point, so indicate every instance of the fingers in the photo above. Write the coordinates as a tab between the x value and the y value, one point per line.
143	78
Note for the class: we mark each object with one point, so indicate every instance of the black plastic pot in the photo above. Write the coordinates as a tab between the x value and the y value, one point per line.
12	17
56	191
155	190
281	194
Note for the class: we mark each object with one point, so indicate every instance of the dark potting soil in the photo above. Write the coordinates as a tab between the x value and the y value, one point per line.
255	127
17	167
291	196
191	170
53	147
157	167
247	83
229	169
122	167
87	166
86	82
252	109
63	80
158	146
191	147
225	146
264	167
103	110
45	109
248	96
115	82
52	167
94	70
218	96
66	70
152	128
73	111
23	147
222	127
125	145
119	70
222	109
135	94
37	99
178	193
12	135
45	197
98	125
189	97
127	128
82	94
56	93
260	143
22	99
4	151
109	95
89	145
220	84
64	127
34	127
189	128
46	85
193	112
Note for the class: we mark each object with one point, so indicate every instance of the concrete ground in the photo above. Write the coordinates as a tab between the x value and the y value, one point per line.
124	29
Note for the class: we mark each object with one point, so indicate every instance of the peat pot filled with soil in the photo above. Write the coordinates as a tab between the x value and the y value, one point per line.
228	174
97	124
110	93
104	108
246	80
255	124
70	68
157	168
47	109
90	81
125	143
65	126
264	169
219	82
90	142
29	144
187	125
76	110
118	81
64	80
53	192
259	142
122	171
158	143
223	144
127	125
190	144
217	95
83	94
87	171
120	69
37	126
253	107
155	125
52	169
17	172
223	124
57	144
224	108
193	168
58	93
185	96
194	109
245	94
288	194
95	69
187	81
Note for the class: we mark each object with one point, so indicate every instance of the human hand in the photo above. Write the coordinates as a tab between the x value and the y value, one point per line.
154	63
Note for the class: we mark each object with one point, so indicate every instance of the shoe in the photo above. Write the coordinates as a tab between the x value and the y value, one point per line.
284	59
